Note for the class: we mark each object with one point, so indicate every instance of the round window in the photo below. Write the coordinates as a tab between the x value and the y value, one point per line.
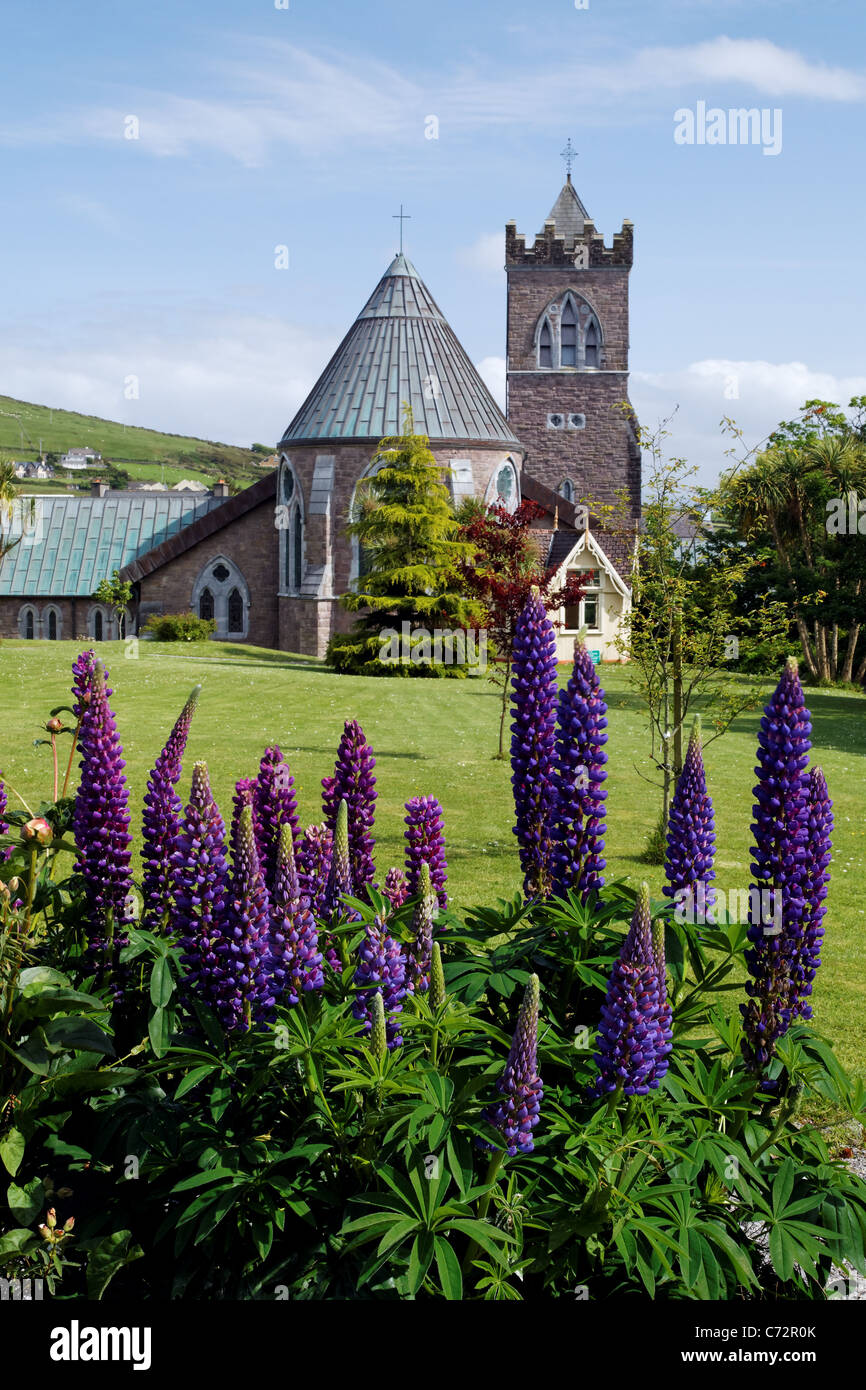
220	573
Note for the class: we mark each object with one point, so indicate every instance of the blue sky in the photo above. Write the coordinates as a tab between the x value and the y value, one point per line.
154	257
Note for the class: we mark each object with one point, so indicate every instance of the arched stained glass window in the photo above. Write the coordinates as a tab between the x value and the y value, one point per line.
52	626
97	625
205	604
569	336
29	625
545	346
235	611
297	550
591	350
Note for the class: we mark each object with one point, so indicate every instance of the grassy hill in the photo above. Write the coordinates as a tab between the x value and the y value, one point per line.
140	453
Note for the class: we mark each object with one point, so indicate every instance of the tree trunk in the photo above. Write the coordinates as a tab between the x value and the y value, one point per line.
802	630
821	651
853	635
678	691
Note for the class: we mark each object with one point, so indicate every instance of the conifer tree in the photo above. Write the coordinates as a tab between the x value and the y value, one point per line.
408	538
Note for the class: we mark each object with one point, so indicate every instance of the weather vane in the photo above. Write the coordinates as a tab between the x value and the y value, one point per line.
568	154
404	217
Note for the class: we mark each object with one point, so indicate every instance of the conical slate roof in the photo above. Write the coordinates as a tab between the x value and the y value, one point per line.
400	348
568	213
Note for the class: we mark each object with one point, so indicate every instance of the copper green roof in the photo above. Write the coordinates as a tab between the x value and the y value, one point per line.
400	348
78	541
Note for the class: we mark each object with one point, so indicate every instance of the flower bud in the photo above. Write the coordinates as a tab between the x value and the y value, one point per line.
51	1219
54	725
39	830
13	885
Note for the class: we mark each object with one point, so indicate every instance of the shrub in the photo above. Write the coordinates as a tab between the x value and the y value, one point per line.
179	627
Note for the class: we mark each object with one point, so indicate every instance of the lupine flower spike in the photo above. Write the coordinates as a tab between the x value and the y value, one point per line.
665	1014
200	889
339	884
780	910
520	1086
275	804
378	1030
381	967
631	1041
5	850
437	978
396	888
691	838
295	960
580	775
819	853
314	866
354	783
101	826
161	821
420	955
533	743
425	844
245	994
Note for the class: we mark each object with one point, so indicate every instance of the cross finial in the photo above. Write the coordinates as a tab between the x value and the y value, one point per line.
404	217
569	154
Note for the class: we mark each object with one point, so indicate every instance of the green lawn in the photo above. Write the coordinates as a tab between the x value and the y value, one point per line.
436	738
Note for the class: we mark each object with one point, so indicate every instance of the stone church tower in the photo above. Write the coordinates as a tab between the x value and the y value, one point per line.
567	364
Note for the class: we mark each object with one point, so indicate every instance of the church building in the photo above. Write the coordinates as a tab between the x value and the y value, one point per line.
270	563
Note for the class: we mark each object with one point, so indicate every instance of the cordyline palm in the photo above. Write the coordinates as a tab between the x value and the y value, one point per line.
786	491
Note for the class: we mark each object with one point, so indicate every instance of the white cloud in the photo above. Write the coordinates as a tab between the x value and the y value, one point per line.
756	395
487	253
233	380
279	95
492	373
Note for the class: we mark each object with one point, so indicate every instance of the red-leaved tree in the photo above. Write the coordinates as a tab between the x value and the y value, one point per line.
499	573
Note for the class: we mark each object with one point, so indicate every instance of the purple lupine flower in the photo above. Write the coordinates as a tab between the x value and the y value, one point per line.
5	850
421	950
334	910
276	804
665	1014
516	1115
101	826
779	910
354	783
631	1038
160	822
691	837
200	889
819	853
314	865
295	959
533	744
245	996
396	888
82	677
580	774
425	844
381	966
244	795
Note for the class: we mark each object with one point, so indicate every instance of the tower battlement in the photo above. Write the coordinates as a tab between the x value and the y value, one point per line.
554	248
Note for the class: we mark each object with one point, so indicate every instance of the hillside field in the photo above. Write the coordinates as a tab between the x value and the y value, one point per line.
139	452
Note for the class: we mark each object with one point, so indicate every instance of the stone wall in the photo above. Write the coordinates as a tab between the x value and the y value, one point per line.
250	542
